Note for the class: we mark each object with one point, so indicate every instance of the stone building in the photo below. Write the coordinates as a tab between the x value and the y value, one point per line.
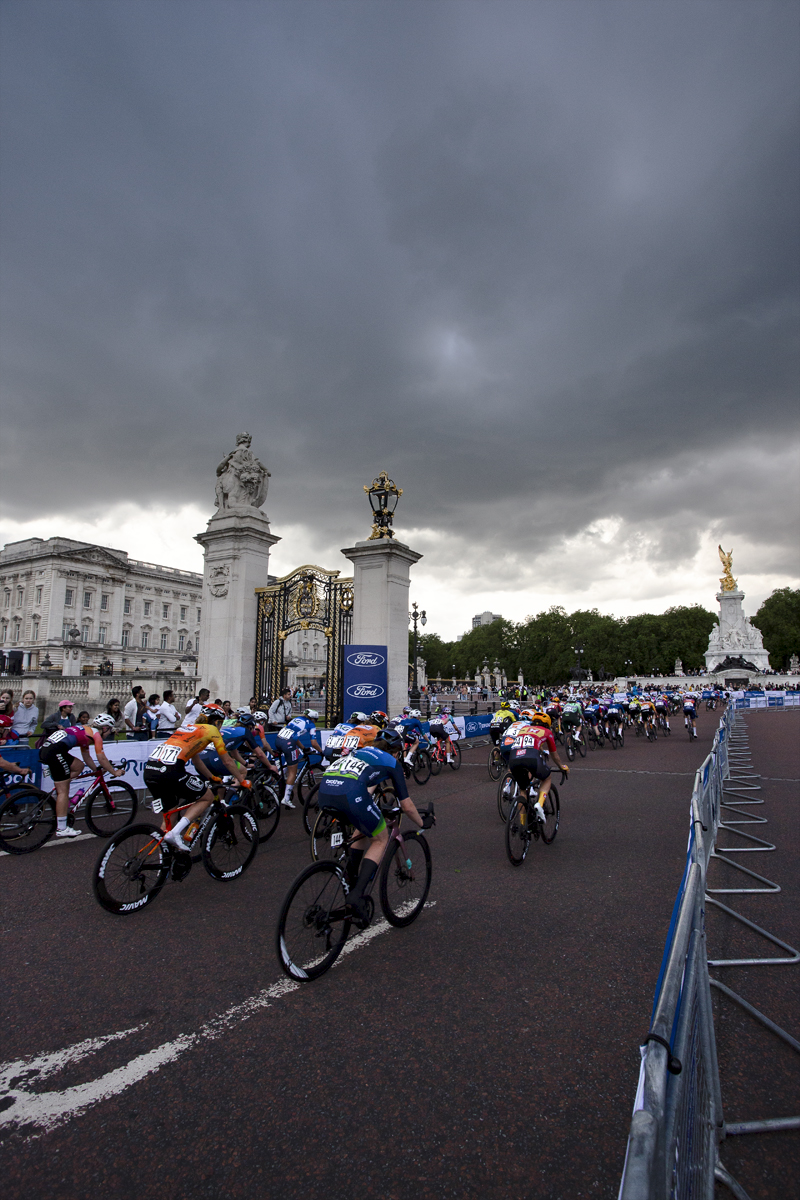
79	605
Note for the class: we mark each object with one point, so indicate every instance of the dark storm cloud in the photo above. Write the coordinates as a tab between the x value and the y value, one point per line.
507	251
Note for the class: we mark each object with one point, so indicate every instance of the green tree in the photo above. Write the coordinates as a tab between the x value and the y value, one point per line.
779	621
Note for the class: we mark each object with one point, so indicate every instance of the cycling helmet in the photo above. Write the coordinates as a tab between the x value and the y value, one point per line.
103	721
211	713
540	718
246	718
312	714
357	718
379	718
261	717
505	704
389	740
414	712
406	711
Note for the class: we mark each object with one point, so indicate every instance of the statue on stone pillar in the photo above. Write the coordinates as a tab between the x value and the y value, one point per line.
727	581
242	480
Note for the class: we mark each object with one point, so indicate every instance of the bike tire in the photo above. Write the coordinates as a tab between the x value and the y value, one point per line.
266	808
613	739
421	767
505	798
518	835
329	837
570	748
621	736
230	843
436	763
129	861
456	763
405	880
494	763
106	816
552	812
581	744
310	809
27	820
313	924
306	780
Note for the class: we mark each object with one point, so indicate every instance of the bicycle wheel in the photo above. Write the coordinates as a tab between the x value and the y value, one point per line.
266	809
456	763
306	780
580	742
405	879
314	923
421	766
621	735
107	814
230	843
131	870
27	820
651	733
506	794
612	737
518	837
570	748
436	762
329	837
552	812
494	763
310	809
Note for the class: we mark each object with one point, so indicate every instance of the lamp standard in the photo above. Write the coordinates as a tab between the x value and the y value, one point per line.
416	616
578	651
383	496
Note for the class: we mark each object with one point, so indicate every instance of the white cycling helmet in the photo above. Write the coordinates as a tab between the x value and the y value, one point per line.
103	721
414	712
260	716
312	713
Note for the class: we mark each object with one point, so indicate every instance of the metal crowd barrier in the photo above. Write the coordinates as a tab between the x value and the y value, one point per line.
678	1123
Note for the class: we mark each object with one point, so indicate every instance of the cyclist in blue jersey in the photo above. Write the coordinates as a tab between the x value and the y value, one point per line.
409	726
299	735
245	735
348	786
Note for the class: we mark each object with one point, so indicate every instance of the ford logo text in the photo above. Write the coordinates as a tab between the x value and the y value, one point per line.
367	691
365	659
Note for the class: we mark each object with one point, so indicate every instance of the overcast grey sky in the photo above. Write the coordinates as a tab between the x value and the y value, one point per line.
538	260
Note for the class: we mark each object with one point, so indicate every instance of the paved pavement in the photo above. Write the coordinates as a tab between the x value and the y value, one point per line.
489	1050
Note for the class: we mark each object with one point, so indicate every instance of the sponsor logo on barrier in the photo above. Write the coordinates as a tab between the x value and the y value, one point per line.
365	659
365	691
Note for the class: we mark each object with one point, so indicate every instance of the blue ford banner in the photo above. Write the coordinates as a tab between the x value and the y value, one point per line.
365	679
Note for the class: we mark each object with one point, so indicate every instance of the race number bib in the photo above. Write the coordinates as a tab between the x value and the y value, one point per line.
350	767
286	734
166	754
58	736
351	742
334	742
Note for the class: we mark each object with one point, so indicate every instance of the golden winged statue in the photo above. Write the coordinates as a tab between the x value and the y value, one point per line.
727	580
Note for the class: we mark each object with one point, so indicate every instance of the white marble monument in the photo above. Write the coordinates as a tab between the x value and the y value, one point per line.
236	547
734	637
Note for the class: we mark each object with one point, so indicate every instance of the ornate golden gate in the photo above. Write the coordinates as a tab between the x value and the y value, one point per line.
308	598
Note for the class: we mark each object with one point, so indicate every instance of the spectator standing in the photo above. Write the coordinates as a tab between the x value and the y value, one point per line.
26	718
114	709
194	706
153	702
280	712
134	714
6	703
168	716
62	718
231	719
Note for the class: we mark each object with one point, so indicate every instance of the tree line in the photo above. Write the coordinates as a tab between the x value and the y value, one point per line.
544	647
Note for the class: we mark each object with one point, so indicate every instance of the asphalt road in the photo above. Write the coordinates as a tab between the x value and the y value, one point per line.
489	1050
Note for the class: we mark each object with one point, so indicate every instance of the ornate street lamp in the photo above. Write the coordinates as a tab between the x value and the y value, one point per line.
578	651
416	616
383	496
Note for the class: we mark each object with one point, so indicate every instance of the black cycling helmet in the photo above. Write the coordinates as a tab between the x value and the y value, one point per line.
388	740
379	718
247	719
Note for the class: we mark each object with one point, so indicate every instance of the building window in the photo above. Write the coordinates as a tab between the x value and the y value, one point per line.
164	637
126	606
316	652
38	595
164	612
148	607
198	614
183	612
3	631
69	597
15	634
126	637
145	639
34	631
181	641
87	599
104	601
65	631
7	598
20	595
102	638
84	633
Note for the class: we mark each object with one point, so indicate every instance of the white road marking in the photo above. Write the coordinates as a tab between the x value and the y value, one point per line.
47	1110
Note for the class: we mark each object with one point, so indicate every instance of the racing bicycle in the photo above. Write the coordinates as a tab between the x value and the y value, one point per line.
28	814
133	867
523	826
438	756
574	740
315	918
